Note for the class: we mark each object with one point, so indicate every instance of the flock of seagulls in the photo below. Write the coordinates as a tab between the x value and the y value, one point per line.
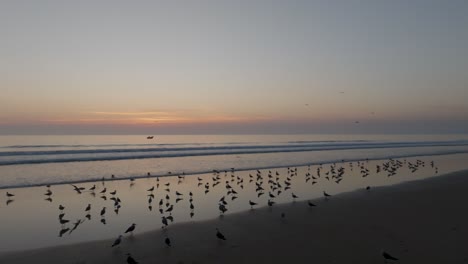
271	184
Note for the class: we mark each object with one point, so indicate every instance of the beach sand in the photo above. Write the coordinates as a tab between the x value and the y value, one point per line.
423	221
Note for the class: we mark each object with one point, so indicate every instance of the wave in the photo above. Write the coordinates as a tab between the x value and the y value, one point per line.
198	172
84	155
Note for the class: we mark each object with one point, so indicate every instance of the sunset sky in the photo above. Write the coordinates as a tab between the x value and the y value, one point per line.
158	67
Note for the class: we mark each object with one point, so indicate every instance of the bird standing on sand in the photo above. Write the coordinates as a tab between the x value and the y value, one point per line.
167	241
219	235
9	195
164	221
131	260
311	204
388	256
117	241
88	208
130	229
103	211
252	204
326	195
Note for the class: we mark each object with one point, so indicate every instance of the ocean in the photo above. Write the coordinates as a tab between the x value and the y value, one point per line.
303	165
40	160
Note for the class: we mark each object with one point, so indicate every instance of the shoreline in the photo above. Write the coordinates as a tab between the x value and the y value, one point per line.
403	219
174	174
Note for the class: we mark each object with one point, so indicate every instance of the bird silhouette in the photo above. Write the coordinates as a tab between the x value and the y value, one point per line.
219	235
130	229
387	256
167	241
117	241
131	260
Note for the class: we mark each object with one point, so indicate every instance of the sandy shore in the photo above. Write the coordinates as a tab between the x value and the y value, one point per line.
419	222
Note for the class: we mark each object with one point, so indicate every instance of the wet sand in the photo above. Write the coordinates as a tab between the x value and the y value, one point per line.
422	221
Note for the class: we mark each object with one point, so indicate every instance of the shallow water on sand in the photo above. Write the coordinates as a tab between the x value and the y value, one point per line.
40	160
29	221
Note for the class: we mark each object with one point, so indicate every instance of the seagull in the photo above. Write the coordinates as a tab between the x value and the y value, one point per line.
88	208
388	256
117	241
63	231
294	196
164	221
151	189
326	195
167	241
311	204
219	235
170	209
131	228
61	207
103	211
9	195
131	260
252	204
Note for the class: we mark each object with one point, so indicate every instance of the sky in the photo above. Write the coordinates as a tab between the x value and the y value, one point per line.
230	67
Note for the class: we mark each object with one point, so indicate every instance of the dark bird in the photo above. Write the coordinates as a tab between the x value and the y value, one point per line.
167	241
164	221
219	235
388	256
311	204
326	195
77	189
151	189
117	241
103	211
131	260
63	231
75	225
9	195
131	228
252	204
88	208
61	207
